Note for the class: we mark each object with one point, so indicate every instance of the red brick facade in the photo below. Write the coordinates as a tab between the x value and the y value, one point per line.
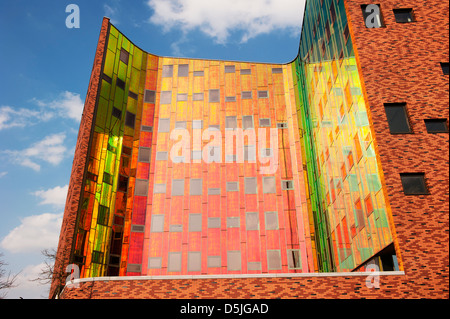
398	63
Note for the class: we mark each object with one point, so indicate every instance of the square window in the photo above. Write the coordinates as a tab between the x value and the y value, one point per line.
233	260
120	84
274	259
214	222
124	55
194	261
294	259
250	185
287	185
372	15
264	122
404	15
157	223
198	73
197	124
174	262
166	97
247	122
182	97
183	70
144	154
116	112
269	185
214	261
214	96
195	222
178	187
159	189
164	125
252	221
263	94
167	71
246	71
414	183
161	156
230	122
397	118
130	118
436	125
246	95
271	220
445	68
230	69
141	187
213	191
250	153
154	262
197	97
149	96
232	186
196	187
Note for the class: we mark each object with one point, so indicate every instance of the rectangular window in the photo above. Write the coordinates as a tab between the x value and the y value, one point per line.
103	215
146	128
149	96
436	125
214	261
233	222
154	262
174	262
197	97
161	156
294	259
266	152
250	185
107	178
130	118
157	223
246	95
164	125
176	228
214	222
106	78
132	95
254	265
274	259
196	155
159	189
195	222
250	153
246	71
230	99
116	112
199	73
144	154
230	69
404	15
332	13
271	220
123	184
214	96
124	55
263	94
194	261
183	70
247	122
166	97
181	124
178	187
372	15
287	185
282	125
141	187
397	118
445	68
230	122
269	185
196	186
414	183
182	97
252	221
232	186
120	84
137	228
264	122
234	260
213	191
277	70
197	124
97	257
167	71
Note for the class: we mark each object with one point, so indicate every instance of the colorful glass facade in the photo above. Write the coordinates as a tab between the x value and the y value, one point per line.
216	167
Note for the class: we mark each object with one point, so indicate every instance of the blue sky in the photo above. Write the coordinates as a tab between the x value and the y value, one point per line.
45	71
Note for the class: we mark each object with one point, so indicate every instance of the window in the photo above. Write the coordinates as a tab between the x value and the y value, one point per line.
213	191
271	220
197	97
196	186
277	70
444	67
157	223
436	126
166	97
196	155
247	122
195	222
181	124
197	124
287	185
397	118
266	152
164	125
332	13
282	125
146	128
214	96
120	84
130	119
269	185
124	55
234	260
174	262
293	257
183	70
250	185
414	183
246	95
214	154
161	156
404	15
141	187
252	221
263	94
137	228
178	187
132	95
177	228
233	222
273	259
106	78
230	99
214	261
254	265
214	222
159	188
250	153
167	71
372	15
149	96
116	112
144	154
103	215
198	73
264	122
232	186
97	257
246	71
182	97
230	69
123	184
194	261
230	122
154	262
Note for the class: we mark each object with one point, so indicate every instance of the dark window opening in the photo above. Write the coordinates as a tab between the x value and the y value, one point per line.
230	69
397	118
124	56
132	95
97	257
183	70
332	13
214	95
107	78
444	67
167	71
414	183
130	119
436	125
404	15
287	185
116	112
126	150
149	96
277	70
103	214
123	184
120	84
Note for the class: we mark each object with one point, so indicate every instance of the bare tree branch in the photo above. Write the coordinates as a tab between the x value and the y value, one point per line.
7	280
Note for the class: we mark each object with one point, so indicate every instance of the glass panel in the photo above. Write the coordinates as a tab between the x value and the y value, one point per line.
397	118
246	95
229	69
436	126
247	122
214	222
231	122
157	223
403	15
161	156
149	96
293	257
130	119
167	71
269	185
144	154
271	220
252	221
154	262
159	188
233	222
273	259
214	96
164	125
232	186
214	261
141	187
166	97
174	263
264	122
197	97
194	261
234	260
414	183
183	70
195	187
250	185
195	222
197	124
178	187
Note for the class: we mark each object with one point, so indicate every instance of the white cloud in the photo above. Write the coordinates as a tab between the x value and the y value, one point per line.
51	150
19	117
218	18
35	233
3	174
66	105
54	196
